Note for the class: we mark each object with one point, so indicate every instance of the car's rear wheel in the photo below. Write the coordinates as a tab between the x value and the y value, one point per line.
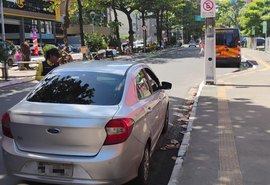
143	173
166	122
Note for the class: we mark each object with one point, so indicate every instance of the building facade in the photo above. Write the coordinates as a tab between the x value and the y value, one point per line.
23	17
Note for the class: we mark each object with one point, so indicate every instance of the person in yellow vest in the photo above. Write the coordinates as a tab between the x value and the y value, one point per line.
51	61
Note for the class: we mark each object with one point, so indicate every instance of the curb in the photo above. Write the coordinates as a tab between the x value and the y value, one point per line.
17	81
175	177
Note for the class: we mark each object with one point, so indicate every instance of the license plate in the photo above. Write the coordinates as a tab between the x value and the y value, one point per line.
53	169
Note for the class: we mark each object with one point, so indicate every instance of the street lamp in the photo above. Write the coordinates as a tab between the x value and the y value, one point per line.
93	15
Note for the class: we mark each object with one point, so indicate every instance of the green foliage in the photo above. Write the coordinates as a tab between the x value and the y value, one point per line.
253	15
6	49
228	15
95	41
46	48
112	41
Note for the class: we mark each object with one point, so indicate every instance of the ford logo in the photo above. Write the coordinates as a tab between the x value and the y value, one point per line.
53	130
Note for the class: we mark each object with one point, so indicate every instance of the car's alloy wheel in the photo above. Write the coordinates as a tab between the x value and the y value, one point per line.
143	172
166	122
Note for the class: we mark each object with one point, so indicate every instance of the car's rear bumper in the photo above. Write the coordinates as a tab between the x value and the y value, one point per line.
113	164
228	62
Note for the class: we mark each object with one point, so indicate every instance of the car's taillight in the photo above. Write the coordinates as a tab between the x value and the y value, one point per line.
118	130
6	125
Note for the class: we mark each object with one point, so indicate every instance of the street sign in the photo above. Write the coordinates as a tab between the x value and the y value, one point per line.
208	8
143	28
199	18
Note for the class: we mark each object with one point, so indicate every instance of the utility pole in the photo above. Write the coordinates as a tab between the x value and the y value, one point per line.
208	11
5	72
265	32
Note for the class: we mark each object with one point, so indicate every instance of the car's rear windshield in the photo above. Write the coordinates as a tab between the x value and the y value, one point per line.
79	87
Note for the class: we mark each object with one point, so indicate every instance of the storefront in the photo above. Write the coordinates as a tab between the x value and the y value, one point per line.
23	17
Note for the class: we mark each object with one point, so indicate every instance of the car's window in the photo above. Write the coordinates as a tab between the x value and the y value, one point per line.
143	89
227	37
79	87
153	80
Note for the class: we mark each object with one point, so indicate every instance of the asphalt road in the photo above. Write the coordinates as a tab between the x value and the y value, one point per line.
183	67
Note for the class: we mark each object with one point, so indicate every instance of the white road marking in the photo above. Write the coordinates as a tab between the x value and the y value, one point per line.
15	92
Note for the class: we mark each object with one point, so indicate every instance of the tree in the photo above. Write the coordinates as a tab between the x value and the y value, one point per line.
228	14
253	15
186	16
95	41
125	6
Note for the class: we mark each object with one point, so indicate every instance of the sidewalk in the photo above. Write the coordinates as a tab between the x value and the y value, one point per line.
16	76
227	141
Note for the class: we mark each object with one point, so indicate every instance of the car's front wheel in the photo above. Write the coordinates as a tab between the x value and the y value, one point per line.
143	173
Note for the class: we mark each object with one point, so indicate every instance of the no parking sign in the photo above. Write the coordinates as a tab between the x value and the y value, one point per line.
208	8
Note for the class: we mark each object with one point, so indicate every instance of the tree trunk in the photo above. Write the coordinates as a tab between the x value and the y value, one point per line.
117	34
130	32
81	22
167	29
65	26
161	24
158	27
144	31
81	26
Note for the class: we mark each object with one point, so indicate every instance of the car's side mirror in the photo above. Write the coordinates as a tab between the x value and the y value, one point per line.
166	85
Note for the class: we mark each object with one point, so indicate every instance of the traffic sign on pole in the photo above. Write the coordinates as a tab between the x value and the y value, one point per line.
208	8
144	28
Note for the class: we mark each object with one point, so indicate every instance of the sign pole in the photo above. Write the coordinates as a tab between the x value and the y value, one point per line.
265	32
208	11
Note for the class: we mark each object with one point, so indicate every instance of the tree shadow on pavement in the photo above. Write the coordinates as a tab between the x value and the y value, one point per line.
162	164
250	130
166	55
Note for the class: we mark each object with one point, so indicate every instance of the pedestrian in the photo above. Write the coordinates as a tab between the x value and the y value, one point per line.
52	57
202	47
26	54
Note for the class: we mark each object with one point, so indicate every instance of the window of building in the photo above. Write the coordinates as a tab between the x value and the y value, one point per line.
58	28
42	26
10	28
48	26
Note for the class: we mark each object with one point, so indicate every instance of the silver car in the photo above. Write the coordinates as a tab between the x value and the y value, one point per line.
87	123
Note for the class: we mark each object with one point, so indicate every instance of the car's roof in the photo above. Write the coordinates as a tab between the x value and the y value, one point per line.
114	67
